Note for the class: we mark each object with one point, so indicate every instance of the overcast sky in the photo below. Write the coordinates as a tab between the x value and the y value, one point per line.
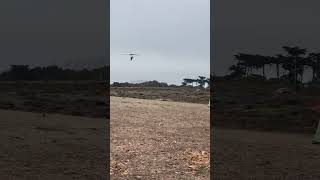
46	32
171	36
262	26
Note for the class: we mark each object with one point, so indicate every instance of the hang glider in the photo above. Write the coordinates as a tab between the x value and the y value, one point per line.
132	55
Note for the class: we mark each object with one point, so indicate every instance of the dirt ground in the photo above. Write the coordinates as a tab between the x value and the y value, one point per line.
248	154
152	139
36	146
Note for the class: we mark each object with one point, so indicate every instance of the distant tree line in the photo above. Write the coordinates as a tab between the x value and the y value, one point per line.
292	64
153	83
201	81
24	72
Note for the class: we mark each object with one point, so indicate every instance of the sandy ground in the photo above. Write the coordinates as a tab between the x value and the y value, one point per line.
153	139
243	154
51	147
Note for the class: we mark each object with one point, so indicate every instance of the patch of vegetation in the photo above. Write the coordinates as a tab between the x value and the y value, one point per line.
201	171
24	72
241	107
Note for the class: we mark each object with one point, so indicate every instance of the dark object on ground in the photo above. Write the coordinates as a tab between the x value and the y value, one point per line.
283	91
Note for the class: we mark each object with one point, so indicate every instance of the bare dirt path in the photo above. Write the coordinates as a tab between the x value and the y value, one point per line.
153	139
243	154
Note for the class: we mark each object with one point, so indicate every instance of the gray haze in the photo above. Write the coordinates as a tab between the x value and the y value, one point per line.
172	37
46	32
262	26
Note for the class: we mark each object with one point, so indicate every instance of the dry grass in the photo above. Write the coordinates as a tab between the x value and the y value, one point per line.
158	139
198	161
177	94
